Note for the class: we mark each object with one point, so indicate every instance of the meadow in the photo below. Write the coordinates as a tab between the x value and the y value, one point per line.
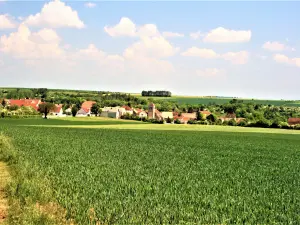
157	174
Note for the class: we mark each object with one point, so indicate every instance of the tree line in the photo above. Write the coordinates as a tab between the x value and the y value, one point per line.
157	93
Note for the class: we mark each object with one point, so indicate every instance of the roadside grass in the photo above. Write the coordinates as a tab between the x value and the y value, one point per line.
26	195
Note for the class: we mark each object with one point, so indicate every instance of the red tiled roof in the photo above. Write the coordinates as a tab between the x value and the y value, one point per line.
16	102
293	121
58	108
206	112
126	107
189	115
88	104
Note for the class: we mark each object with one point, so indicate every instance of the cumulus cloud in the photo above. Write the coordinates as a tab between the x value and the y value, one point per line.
223	35
24	44
127	28
126	63
90	5
280	58
201	52
196	35
124	28
276	46
167	34
234	57
55	14
6	22
155	47
210	72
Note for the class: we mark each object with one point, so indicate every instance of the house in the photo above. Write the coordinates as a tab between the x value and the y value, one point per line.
140	113
113	112
293	121
167	115
86	108
191	116
58	110
205	113
128	110
68	111
84	112
228	117
33	103
88	104
153	113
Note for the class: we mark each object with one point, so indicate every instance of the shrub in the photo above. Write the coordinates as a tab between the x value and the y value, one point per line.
177	121
232	122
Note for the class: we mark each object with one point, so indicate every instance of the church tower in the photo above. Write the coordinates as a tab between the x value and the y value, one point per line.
151	111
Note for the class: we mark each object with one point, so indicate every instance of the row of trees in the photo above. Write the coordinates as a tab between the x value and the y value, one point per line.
157	93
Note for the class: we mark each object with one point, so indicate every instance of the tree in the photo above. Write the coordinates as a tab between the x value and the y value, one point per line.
200	116
95	109
3	103
45	108
74	110
212	118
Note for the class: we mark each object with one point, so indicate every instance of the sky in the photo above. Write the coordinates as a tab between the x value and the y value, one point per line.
234	49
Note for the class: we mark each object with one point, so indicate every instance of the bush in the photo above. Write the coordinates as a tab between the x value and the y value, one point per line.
177	121
191	121
261	123
219	122
242	123
203	122
232	122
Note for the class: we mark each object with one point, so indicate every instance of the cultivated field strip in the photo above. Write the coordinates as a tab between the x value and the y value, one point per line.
162	177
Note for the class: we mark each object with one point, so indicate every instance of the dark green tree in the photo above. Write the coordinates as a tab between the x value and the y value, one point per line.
74	110
45	108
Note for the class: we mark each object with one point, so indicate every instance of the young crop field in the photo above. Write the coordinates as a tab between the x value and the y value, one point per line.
156	176
214	100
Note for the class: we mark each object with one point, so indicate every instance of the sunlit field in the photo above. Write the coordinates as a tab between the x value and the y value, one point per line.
143	173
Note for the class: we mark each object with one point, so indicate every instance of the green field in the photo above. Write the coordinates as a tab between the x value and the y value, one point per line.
160	174
215	100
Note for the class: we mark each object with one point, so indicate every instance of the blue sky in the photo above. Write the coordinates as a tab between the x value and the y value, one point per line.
243	49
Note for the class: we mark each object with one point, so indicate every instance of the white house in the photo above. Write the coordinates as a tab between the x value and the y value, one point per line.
84	112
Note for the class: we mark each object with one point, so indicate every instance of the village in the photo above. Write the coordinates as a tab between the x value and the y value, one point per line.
127	112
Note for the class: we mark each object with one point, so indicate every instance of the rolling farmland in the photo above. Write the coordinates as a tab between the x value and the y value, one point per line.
157	176
216	100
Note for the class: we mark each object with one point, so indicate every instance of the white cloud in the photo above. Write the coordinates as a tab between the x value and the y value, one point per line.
1	63
6	22
90	5
167	34
196	35
155	47
127	28
24	44
124	28
210	72
222	35
280	58
234	57
202	53
276	46
55	14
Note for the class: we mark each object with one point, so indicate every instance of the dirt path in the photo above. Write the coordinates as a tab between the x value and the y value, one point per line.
4	178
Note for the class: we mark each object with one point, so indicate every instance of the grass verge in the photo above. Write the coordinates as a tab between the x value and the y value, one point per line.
27	196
